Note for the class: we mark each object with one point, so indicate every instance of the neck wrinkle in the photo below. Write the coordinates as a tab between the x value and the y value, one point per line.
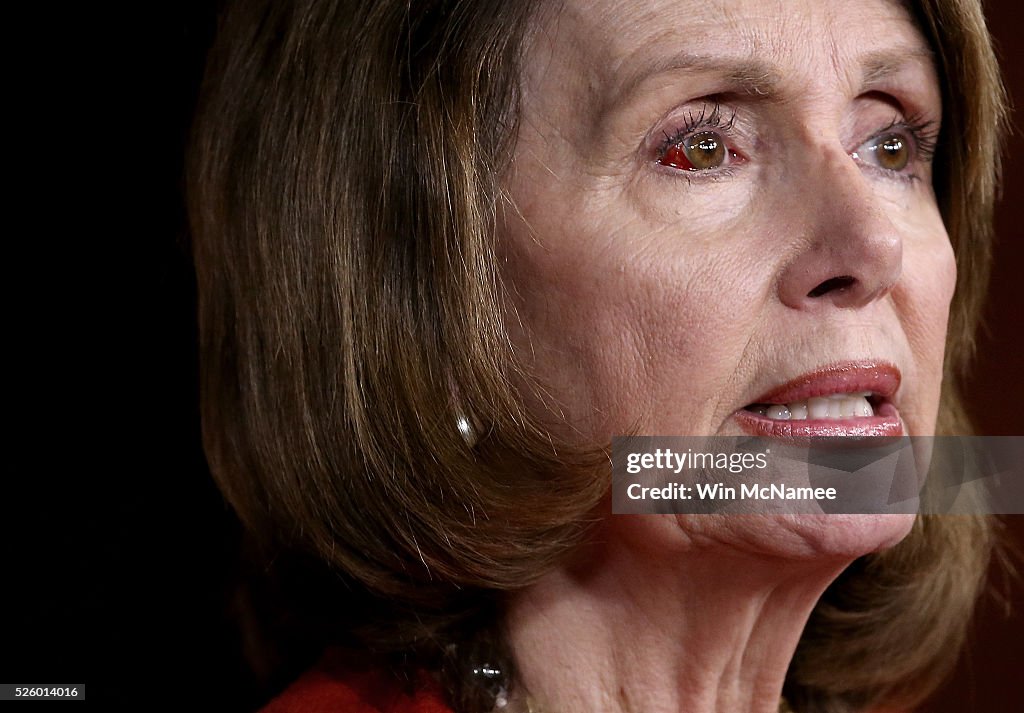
712	633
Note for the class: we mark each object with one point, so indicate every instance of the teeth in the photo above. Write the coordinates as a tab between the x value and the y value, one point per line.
817	407
849	407
833	406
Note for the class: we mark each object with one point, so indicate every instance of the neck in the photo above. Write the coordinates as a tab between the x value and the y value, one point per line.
712	632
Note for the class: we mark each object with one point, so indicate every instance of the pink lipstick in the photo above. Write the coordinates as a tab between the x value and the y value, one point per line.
844	399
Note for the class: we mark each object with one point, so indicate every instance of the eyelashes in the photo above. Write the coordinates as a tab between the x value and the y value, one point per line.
703	120
921	134
924	132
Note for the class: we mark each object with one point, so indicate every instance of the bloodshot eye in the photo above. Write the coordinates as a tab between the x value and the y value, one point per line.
702	151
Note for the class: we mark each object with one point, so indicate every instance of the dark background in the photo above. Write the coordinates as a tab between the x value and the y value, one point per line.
129	583
990	677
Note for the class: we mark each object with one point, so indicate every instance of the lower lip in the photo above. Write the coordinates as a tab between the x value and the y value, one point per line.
886	422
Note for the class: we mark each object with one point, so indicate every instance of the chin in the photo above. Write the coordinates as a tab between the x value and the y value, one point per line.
826	538
843	536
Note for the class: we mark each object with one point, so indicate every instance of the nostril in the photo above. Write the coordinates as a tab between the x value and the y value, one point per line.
832	284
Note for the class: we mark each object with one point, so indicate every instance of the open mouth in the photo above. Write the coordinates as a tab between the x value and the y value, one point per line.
851	399
862	404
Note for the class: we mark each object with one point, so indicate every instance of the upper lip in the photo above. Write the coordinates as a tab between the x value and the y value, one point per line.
879	377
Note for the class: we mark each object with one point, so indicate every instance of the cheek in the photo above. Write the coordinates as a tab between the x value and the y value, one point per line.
923	297
926	292
631	333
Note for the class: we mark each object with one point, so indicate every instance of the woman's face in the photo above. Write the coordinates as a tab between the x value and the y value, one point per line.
716	205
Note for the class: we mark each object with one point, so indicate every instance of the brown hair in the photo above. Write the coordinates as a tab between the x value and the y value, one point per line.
343	183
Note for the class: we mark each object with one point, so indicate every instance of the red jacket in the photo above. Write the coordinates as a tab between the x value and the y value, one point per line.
333	687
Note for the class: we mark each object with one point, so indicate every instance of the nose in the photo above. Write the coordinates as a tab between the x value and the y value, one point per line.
851	253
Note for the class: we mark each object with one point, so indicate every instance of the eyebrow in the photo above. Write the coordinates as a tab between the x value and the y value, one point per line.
758	78
880	65
749	76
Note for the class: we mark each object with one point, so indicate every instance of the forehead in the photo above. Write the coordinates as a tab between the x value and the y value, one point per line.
611	48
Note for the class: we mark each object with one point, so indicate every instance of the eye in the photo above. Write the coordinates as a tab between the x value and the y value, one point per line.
904	142
702	151
890	151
